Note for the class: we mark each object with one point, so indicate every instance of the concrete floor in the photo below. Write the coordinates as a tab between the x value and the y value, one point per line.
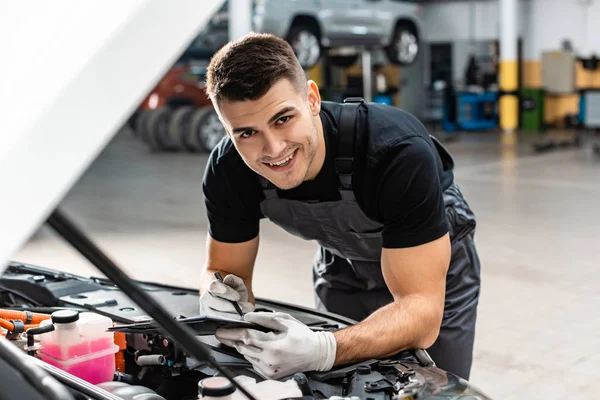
538	221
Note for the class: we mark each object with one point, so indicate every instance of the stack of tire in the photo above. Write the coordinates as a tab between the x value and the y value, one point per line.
183	128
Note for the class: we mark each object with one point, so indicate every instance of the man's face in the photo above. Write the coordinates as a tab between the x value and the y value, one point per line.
279	136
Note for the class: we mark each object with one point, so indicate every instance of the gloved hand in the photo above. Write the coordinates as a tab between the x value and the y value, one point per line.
215	300
292	348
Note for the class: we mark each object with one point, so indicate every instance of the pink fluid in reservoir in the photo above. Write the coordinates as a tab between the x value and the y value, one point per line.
89	355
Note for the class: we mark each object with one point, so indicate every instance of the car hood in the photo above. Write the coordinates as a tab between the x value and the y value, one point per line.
98	67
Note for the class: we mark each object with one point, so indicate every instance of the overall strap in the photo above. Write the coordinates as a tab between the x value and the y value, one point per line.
346	137
268	188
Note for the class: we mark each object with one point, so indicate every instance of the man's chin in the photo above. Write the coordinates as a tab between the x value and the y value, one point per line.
284	182
288	185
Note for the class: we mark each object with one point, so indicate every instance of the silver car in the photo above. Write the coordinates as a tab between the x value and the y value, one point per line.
339	27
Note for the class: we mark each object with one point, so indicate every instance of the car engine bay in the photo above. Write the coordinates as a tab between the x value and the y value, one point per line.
152	364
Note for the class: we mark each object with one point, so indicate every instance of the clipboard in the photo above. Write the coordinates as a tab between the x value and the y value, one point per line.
202	325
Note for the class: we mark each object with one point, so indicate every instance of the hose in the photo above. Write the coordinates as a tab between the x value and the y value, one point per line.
29	320
26	316
36	331
151	359
9	326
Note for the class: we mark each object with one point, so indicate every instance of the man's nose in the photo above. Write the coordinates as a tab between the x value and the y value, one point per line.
274	144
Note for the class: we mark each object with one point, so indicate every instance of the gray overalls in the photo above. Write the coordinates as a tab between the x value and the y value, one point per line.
347	271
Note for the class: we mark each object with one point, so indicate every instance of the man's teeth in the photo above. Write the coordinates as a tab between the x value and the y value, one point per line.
282	162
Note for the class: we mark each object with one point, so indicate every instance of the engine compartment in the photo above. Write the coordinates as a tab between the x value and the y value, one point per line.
151	363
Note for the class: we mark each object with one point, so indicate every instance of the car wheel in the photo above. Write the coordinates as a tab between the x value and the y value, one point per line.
306	43
206	130
179	126
158	130
404	47
141	123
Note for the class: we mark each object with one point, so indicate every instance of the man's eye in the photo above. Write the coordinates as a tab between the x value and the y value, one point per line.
246	134
283	120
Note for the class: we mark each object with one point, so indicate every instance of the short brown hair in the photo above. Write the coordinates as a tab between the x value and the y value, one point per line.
247	68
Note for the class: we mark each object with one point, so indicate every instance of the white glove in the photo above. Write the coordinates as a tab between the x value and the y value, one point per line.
292	348
216	298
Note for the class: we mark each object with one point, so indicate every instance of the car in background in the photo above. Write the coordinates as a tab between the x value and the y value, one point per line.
343	27
177	115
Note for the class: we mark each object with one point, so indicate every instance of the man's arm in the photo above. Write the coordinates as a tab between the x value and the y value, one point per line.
230	258
408	199
416	277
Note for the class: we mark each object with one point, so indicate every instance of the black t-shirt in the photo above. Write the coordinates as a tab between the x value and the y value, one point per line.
399	176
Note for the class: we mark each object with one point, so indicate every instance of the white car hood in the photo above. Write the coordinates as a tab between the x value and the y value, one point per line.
72	72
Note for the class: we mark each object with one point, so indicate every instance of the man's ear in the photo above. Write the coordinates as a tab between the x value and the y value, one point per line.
313	97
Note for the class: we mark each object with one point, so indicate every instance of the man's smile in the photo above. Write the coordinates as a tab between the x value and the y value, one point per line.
284	163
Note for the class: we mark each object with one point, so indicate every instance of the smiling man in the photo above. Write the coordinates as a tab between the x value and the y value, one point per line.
369	185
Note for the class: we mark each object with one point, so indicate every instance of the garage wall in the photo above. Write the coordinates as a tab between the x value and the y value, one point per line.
552	21
543	24
465	20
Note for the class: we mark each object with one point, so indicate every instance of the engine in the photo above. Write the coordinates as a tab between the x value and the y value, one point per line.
130	364
91	330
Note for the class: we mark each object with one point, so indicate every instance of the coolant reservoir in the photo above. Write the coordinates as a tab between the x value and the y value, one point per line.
80	345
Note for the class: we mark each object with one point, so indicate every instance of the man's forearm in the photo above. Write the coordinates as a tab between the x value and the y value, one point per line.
410	322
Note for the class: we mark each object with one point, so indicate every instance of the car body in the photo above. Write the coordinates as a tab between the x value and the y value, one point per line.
179	86
339	27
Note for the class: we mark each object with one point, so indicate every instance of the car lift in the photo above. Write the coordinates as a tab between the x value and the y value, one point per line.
366	59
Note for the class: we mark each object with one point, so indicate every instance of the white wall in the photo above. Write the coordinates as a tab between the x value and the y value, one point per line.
543	24
552	21
460	20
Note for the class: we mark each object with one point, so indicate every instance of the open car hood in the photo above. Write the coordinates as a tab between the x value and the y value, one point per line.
72	74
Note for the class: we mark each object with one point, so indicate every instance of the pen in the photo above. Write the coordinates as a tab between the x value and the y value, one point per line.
235	304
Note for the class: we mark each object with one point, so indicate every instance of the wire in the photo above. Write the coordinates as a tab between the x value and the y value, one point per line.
179	332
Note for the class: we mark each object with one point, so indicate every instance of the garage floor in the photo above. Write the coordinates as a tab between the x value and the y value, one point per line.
538	216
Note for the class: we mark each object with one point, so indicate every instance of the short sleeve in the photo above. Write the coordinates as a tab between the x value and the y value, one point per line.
410	197
232	199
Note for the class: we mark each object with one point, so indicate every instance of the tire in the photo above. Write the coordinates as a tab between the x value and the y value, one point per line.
206	130
157	133
141	124
405	46
179	126
306	42
132	122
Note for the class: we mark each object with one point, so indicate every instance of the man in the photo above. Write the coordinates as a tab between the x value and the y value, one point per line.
370	186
